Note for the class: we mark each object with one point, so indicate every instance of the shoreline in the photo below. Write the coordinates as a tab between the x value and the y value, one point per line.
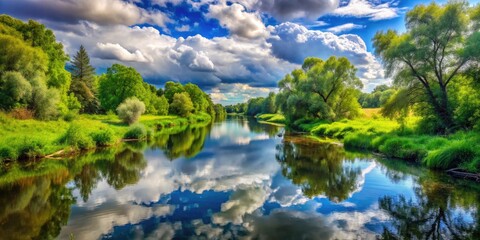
30	140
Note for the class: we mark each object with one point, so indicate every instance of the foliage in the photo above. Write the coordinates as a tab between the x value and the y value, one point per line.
181	105
272	118
130	110
77	137
321	89
103	137
119	83
377	98
138	131
84	81
429	59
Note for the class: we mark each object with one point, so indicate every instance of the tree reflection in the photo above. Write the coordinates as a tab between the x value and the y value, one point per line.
187	143
440	210
269	129
35	208
317	167
118	166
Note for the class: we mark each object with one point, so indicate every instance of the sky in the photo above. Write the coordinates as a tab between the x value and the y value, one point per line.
234	50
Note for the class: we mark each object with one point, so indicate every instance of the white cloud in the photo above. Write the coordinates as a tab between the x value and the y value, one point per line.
367	9
182	28
117	52
238	21
344	27
103	12
293	42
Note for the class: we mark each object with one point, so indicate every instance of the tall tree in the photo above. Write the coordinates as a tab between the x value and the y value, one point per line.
427	59
83	81
119	83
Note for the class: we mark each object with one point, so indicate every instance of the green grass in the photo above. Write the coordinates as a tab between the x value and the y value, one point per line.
271	118
27	139
374	133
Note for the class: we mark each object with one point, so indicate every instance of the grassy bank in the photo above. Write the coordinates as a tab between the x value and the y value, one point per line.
271	118
30	139
374	133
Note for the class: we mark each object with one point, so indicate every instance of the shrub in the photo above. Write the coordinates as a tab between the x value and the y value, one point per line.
22	113
8	153
103	137
30	148
138	131
402	148
451	155
70	116
130	110
77	138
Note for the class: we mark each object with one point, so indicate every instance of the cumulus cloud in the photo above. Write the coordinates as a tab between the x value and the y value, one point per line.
238	21
368	9
345	27
103	12
288	9
293	42
117	52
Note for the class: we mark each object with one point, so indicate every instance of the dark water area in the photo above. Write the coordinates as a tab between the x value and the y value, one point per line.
237	179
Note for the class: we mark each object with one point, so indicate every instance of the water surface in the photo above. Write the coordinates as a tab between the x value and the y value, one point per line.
237	179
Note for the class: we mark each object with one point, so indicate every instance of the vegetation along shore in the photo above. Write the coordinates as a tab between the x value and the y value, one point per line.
431	113
50	106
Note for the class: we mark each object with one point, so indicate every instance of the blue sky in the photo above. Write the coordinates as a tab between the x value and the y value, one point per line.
235	49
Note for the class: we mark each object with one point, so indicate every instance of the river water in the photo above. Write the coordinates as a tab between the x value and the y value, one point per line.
236	179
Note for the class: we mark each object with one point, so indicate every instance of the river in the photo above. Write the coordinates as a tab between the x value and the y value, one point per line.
237	179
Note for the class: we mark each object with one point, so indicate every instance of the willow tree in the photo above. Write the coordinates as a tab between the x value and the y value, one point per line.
428	58
321	89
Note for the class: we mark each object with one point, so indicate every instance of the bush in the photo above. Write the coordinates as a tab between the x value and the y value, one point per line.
103	137
22	113
402	148
130	110
181	105
8	153
451	155
77	138
70	116
138	131
31	148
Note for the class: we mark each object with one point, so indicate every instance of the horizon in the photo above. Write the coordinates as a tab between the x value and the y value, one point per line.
234	50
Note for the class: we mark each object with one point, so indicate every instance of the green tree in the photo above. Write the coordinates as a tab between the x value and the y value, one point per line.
171	88
429	57
119	83
321	89
181	105
269	104
83	84
200	103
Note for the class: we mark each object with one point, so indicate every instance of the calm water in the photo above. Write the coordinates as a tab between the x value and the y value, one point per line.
236	179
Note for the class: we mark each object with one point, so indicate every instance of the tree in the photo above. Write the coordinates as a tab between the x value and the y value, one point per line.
429	58
83	84
119	83
181	105
161	105
269	104
200	103
171	88
130	110
321	89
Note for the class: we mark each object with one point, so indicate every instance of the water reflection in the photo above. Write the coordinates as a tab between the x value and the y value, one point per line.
320	169
236	179
35	208
442	208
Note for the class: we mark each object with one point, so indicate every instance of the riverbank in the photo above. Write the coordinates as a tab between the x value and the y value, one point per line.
374	133
33	139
